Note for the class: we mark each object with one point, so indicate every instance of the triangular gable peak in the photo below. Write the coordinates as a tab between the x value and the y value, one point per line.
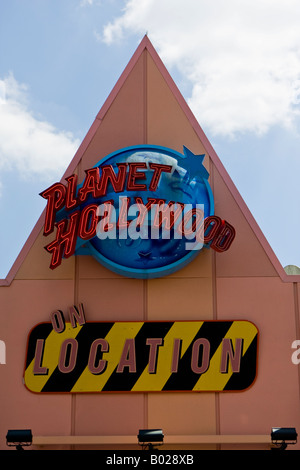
146	107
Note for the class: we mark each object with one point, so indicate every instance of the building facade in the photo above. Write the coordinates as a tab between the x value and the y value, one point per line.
99	347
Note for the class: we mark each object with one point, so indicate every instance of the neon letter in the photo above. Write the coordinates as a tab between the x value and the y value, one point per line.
68	355
88	222
227	353
58	321
176	354
38	369
205	356
65	242
56	196
97	369
158	169
133	175
128	356
117	182
71	192
76	315
153	343
90	184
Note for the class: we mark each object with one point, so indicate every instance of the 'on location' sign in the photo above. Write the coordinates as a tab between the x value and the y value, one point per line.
142	357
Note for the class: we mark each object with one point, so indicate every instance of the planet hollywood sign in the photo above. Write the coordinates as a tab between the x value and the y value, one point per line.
70	355
143	212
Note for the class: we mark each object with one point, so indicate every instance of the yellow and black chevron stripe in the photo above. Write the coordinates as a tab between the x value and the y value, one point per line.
81	380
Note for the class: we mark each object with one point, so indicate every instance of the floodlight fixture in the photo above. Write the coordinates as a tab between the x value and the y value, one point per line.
19	438
282	437
148	438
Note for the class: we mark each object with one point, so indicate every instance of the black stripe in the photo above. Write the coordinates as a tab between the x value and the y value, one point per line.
124	381
64	382
185	378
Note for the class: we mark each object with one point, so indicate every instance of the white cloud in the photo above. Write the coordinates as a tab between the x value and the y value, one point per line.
27	144
83	3
242	58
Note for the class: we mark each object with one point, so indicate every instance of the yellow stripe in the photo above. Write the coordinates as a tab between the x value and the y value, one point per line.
115	338
213	379
183	330
52	346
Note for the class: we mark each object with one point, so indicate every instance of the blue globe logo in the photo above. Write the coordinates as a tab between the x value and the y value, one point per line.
162	176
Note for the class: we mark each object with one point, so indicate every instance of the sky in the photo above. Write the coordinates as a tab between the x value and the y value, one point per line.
236	63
